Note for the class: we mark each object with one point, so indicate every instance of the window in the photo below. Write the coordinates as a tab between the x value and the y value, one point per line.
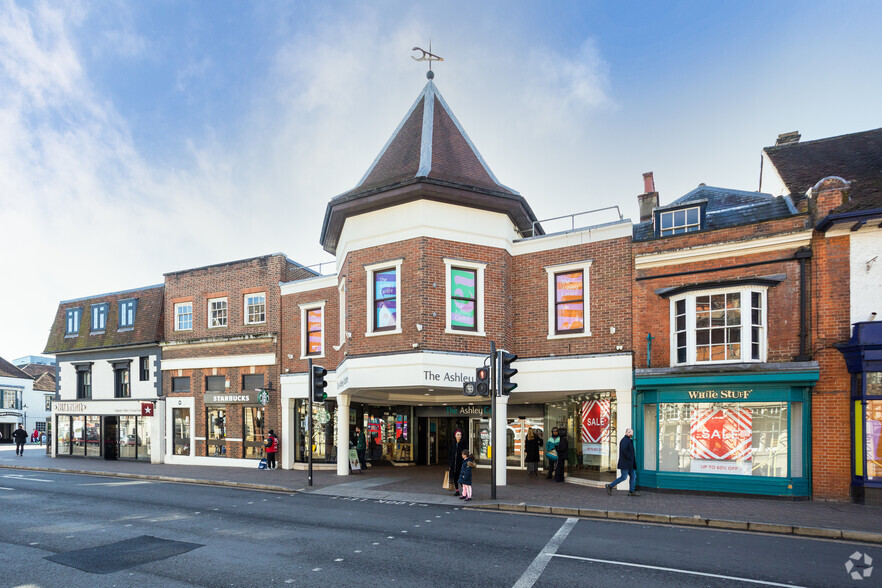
84	381
127	311
251	382
184	316
216	423
215	383
180	384
181	425
314	331
10	399
718	326
121	388
217	313
48	400
568	300
684	220
72	323
255	308
465	297
99	317
253	437
144	368
342	292
384	286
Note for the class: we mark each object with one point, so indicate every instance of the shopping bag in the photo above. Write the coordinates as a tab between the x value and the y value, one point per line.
261	465
448	485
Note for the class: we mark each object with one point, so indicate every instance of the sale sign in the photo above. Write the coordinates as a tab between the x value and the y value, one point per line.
718	436
595	421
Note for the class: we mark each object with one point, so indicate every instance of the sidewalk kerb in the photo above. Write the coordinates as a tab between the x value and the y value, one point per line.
621	515
818	532
592	513
653	518
863	536
539	509
513	507
566	511
725	524
770	528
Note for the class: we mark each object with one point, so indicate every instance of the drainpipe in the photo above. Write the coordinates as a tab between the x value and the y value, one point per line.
803	255
649	339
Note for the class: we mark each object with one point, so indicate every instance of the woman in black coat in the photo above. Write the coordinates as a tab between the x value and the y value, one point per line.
562	450
456	448
531	450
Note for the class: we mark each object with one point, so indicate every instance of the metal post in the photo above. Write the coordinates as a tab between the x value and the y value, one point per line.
309	422
493	448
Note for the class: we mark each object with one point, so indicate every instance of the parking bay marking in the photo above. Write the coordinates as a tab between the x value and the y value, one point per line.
674	570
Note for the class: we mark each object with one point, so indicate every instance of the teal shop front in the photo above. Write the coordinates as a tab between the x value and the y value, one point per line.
746	433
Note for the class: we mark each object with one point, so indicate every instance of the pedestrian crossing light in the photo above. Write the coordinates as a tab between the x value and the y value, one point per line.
318	383
482	381
468	388
506	371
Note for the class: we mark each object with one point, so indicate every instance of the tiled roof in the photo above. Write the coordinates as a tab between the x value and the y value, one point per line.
856	157
37	369
726	208
147	327
45	382
10	371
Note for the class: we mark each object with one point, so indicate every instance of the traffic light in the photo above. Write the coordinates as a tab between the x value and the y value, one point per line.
482	381
468	388
318	383
506	371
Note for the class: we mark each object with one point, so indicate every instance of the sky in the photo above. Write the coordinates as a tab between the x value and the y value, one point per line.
139	138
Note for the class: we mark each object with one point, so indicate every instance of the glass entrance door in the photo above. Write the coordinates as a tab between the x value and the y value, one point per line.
480	439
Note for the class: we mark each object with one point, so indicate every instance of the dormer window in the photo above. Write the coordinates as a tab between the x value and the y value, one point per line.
682	220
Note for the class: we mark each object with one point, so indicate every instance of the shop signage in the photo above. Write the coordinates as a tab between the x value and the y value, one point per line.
719	394
10	413
595	421
245	397
451	377
721	440
69	407
263	397
146	409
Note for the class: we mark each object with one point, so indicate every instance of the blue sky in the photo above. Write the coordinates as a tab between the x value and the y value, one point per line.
138	138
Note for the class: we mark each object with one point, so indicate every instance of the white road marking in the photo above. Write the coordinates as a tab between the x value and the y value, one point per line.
34	543
390	537
676	571
4	488
374	543
133	483
316	569
20	477
358	551
339	559
129	525
536	568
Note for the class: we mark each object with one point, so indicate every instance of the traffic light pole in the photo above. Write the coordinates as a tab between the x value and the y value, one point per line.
493	448
309	420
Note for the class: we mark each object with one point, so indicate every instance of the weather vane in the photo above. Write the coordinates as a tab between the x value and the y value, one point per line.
427	56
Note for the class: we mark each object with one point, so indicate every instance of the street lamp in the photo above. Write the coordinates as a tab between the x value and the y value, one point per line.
25	410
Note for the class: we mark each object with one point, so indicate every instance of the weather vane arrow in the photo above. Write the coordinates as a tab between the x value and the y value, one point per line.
426	56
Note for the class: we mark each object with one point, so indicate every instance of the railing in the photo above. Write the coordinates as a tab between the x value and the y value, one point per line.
572	218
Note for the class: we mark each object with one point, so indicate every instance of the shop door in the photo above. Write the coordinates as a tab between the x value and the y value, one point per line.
111	437
480	439
422	441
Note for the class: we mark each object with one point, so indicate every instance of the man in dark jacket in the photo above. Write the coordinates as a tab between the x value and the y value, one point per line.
563	449
627	463
20	436
360	446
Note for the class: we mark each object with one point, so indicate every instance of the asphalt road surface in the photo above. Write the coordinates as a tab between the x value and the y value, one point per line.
73	530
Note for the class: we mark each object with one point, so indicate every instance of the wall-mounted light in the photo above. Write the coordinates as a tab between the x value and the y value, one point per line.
348	335
419	327
290	356
612	330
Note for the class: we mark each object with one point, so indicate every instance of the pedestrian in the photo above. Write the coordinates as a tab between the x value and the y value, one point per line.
551	453
456	449
360	447
20	436
465	475
563	448
531	449
42	439
627	464
272	446
34	436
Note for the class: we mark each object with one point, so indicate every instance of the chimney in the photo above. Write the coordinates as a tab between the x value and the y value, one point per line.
787	138
649	199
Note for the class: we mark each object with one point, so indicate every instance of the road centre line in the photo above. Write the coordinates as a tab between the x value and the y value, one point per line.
4	488
536	568
676	570
116	483
20	477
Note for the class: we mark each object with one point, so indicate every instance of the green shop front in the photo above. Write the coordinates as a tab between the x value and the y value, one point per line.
744	431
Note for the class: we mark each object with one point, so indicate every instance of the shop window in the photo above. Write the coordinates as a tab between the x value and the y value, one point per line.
255	308
568	314
184	316
254	423
92	434
384	287
216	422
312	336
78	435
217	313
181	434
873	428
718	327
62	436
128	437
324	440
746	439
465	297
84	381
99	317
121	374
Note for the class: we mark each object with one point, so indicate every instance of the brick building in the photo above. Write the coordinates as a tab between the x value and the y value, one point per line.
435	259
110	401
221	349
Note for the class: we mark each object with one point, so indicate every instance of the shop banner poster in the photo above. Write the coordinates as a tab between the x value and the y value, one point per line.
721	441
595	422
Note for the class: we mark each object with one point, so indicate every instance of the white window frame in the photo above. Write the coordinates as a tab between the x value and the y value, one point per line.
210	317
371	269
99	314
246	312
746	326
304	309
342	291
126	306
689	227
72	317
552	270
479	268
178	307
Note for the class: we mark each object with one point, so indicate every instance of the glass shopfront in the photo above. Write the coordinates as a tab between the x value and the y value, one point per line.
742	435
124	437
216	437
389	433
181	431
254	420
324	436
590	422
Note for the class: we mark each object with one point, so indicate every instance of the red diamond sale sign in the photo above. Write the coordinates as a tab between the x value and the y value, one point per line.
721	441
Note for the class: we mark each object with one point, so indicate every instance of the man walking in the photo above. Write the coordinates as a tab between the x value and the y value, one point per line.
360	446
627	463
20	436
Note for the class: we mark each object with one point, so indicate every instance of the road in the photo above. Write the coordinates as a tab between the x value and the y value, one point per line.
74	530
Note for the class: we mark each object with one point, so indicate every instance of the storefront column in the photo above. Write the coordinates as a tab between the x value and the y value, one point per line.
499	439
289	422
624	417
343	435
157	432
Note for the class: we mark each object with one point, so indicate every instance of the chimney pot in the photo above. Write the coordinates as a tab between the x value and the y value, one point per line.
648	183
649	199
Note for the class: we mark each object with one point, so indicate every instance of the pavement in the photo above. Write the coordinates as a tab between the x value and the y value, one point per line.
834	520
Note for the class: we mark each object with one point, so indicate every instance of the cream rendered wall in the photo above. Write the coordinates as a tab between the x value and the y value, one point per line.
866	274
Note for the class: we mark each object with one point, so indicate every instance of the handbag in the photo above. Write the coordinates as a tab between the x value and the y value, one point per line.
447	485
552	455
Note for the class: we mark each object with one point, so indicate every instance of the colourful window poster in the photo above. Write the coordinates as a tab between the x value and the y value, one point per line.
463	299
595	421
721	441
569	302
385	300
314	331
